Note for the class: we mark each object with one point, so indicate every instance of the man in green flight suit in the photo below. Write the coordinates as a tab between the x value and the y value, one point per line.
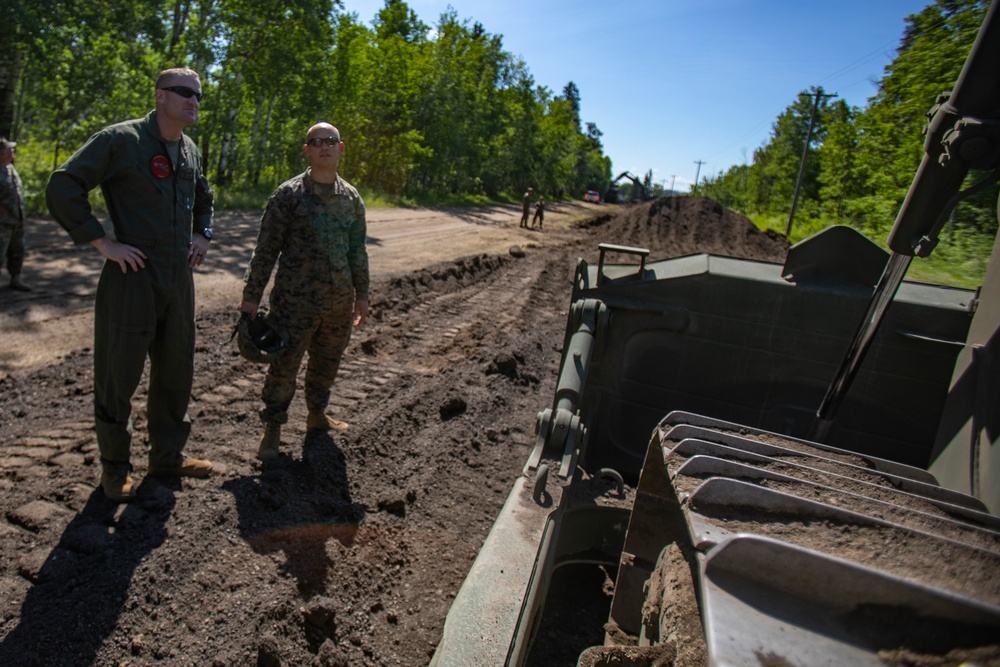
160	203
316	223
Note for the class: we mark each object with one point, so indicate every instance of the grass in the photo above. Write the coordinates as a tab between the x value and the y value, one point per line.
959	260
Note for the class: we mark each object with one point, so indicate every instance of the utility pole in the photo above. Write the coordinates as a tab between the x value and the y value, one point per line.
802	164
696	174
673	178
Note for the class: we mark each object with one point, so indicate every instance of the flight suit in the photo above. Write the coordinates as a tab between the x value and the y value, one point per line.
316	235
155	203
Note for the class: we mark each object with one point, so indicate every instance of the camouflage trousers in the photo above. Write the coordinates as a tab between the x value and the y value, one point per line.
323	335
12	248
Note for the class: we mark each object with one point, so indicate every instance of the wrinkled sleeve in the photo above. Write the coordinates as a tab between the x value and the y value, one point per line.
204	199
358	253
270	240
66	193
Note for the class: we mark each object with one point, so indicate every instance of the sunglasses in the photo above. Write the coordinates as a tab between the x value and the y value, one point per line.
184	92
323	141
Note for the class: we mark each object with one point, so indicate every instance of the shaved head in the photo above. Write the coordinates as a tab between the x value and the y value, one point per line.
169	77
322	130
322	148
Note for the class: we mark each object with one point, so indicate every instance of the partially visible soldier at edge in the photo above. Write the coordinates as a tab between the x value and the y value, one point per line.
161	206
315	222
526	207
12	215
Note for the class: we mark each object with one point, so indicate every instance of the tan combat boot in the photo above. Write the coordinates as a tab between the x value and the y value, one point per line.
189	467
117	488
270	442
318	421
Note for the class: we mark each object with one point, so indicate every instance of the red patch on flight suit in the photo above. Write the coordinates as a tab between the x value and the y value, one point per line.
160	166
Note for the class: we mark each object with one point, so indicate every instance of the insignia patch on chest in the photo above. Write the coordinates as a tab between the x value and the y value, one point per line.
160	166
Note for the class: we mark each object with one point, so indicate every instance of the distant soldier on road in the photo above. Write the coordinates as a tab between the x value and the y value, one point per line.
11	215
539	212
315	223
526	207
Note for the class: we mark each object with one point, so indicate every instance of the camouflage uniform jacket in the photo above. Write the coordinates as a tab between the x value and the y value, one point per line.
11	197
320	244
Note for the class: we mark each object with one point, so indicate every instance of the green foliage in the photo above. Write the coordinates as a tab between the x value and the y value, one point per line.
959	260
442	114
861	161
34	164
245	197
804	227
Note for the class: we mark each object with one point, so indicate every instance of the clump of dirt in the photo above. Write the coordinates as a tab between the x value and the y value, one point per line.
347	550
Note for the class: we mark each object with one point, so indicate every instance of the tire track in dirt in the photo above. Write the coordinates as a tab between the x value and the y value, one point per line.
446	321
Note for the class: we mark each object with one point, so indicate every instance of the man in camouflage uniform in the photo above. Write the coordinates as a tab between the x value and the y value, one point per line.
160	204
526	208
315	223
11	215
539	213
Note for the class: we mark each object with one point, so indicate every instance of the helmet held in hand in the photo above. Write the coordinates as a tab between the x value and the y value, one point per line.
257	339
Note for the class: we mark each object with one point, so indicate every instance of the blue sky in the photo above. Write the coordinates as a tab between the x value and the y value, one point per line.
671	83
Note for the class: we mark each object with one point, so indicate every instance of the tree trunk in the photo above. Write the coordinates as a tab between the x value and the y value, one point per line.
263	142
255	130
224	173
182	9
10	69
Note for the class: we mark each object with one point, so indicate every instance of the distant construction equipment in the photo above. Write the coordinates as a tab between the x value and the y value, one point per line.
639	192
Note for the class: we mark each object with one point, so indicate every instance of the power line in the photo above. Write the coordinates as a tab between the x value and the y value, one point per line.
857	63
697	173
819	94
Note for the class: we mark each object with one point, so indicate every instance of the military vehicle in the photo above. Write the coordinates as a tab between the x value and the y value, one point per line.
748	463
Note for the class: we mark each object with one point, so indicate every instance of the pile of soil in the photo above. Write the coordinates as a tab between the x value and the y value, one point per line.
348	549
678	226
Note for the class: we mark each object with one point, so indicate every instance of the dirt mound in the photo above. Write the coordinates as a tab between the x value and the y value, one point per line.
678	226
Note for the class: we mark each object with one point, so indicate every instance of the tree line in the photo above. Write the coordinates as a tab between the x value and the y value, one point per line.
438	111
860	162
444	111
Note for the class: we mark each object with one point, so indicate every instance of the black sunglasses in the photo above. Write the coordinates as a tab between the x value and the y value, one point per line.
323	141
184	92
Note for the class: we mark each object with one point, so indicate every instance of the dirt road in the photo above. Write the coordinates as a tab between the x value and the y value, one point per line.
55	318
348	549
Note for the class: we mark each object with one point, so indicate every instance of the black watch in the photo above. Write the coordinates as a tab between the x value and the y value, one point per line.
207	233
